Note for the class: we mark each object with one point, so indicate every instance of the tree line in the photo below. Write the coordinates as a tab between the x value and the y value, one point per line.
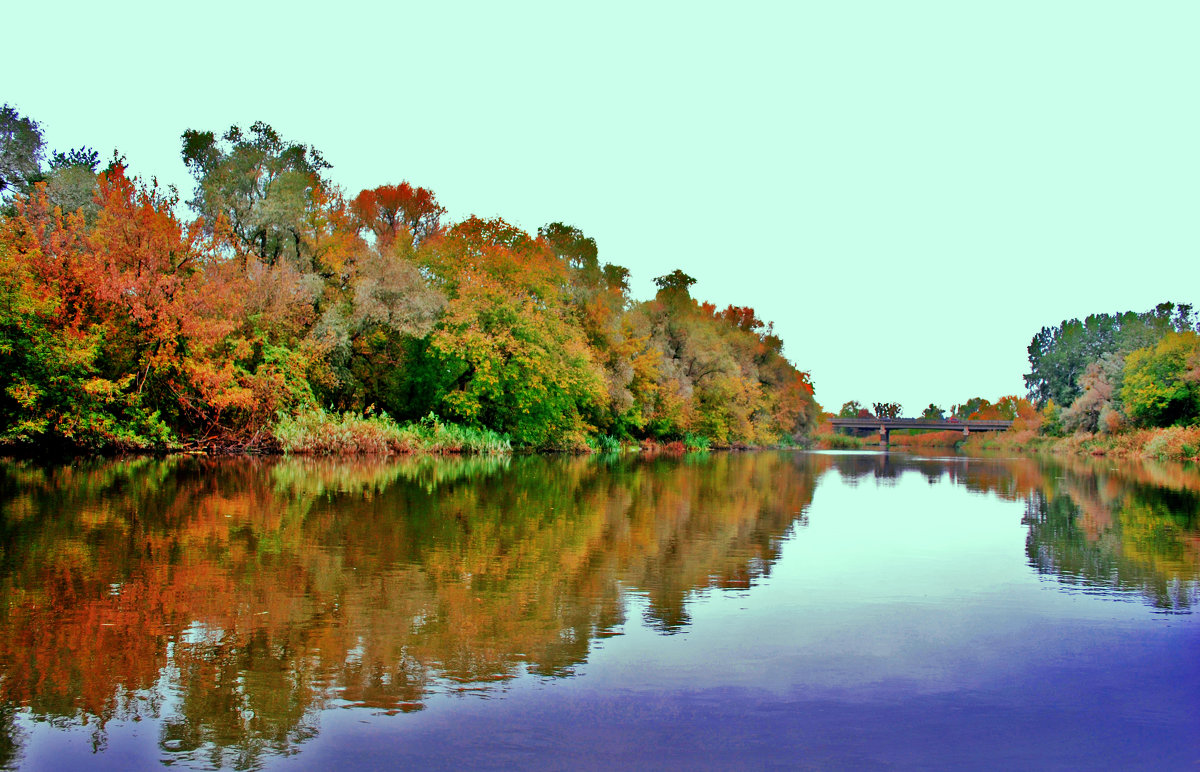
126	325
1007	408
1111	372
1106	374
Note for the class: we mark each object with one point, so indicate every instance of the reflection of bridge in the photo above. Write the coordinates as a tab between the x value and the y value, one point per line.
885	425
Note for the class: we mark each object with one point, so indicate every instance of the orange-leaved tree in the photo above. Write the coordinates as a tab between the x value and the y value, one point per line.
389	211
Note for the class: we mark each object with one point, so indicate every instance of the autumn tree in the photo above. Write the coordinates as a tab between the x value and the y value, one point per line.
515	360
887	409
96	317
722	374
125	326
137	329
1160	385
389	211
598	297
973	409
52	391
1098	407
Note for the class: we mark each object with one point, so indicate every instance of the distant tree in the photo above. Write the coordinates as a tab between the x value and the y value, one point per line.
1007	408
887	409
574	248
616	277
84	157
973	408
674	284
71	180
1011	407
933	413
850	409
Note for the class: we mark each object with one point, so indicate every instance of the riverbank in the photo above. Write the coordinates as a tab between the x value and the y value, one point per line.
318	432
1175	443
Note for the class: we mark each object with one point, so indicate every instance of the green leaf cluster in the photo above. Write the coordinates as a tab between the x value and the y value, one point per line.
1162	383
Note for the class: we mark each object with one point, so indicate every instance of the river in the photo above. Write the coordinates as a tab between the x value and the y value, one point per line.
712	611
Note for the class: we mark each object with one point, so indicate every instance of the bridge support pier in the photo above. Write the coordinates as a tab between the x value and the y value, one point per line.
883	436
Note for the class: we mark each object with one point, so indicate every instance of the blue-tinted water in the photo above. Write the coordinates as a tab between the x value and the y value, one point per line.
823	611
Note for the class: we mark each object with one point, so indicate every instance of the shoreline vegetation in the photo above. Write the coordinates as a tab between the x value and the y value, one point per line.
285	314
1123	385
320	433
289	316
1174	443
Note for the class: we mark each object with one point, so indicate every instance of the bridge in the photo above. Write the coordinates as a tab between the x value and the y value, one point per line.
885	425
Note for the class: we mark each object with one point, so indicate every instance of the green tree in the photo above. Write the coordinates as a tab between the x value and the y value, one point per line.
575	249
1059	356
21	151
674	285
850	409
616	277
514	358
71	181
1158	388
84	157
260	184
519	368
381	333
933	413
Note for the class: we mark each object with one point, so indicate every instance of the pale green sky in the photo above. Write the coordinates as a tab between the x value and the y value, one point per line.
909	190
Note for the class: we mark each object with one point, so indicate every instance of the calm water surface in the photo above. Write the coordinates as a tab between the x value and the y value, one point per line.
793	610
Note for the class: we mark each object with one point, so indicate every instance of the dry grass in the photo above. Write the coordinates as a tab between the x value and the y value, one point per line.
1175	443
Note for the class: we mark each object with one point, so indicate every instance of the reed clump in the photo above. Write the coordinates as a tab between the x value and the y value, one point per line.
320	432
834	441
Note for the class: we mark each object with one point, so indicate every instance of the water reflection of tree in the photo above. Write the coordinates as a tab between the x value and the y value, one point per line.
1125	526
10	737
233	598
240	697
1096	529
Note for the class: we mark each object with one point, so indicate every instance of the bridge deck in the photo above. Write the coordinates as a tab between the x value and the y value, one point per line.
919	423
